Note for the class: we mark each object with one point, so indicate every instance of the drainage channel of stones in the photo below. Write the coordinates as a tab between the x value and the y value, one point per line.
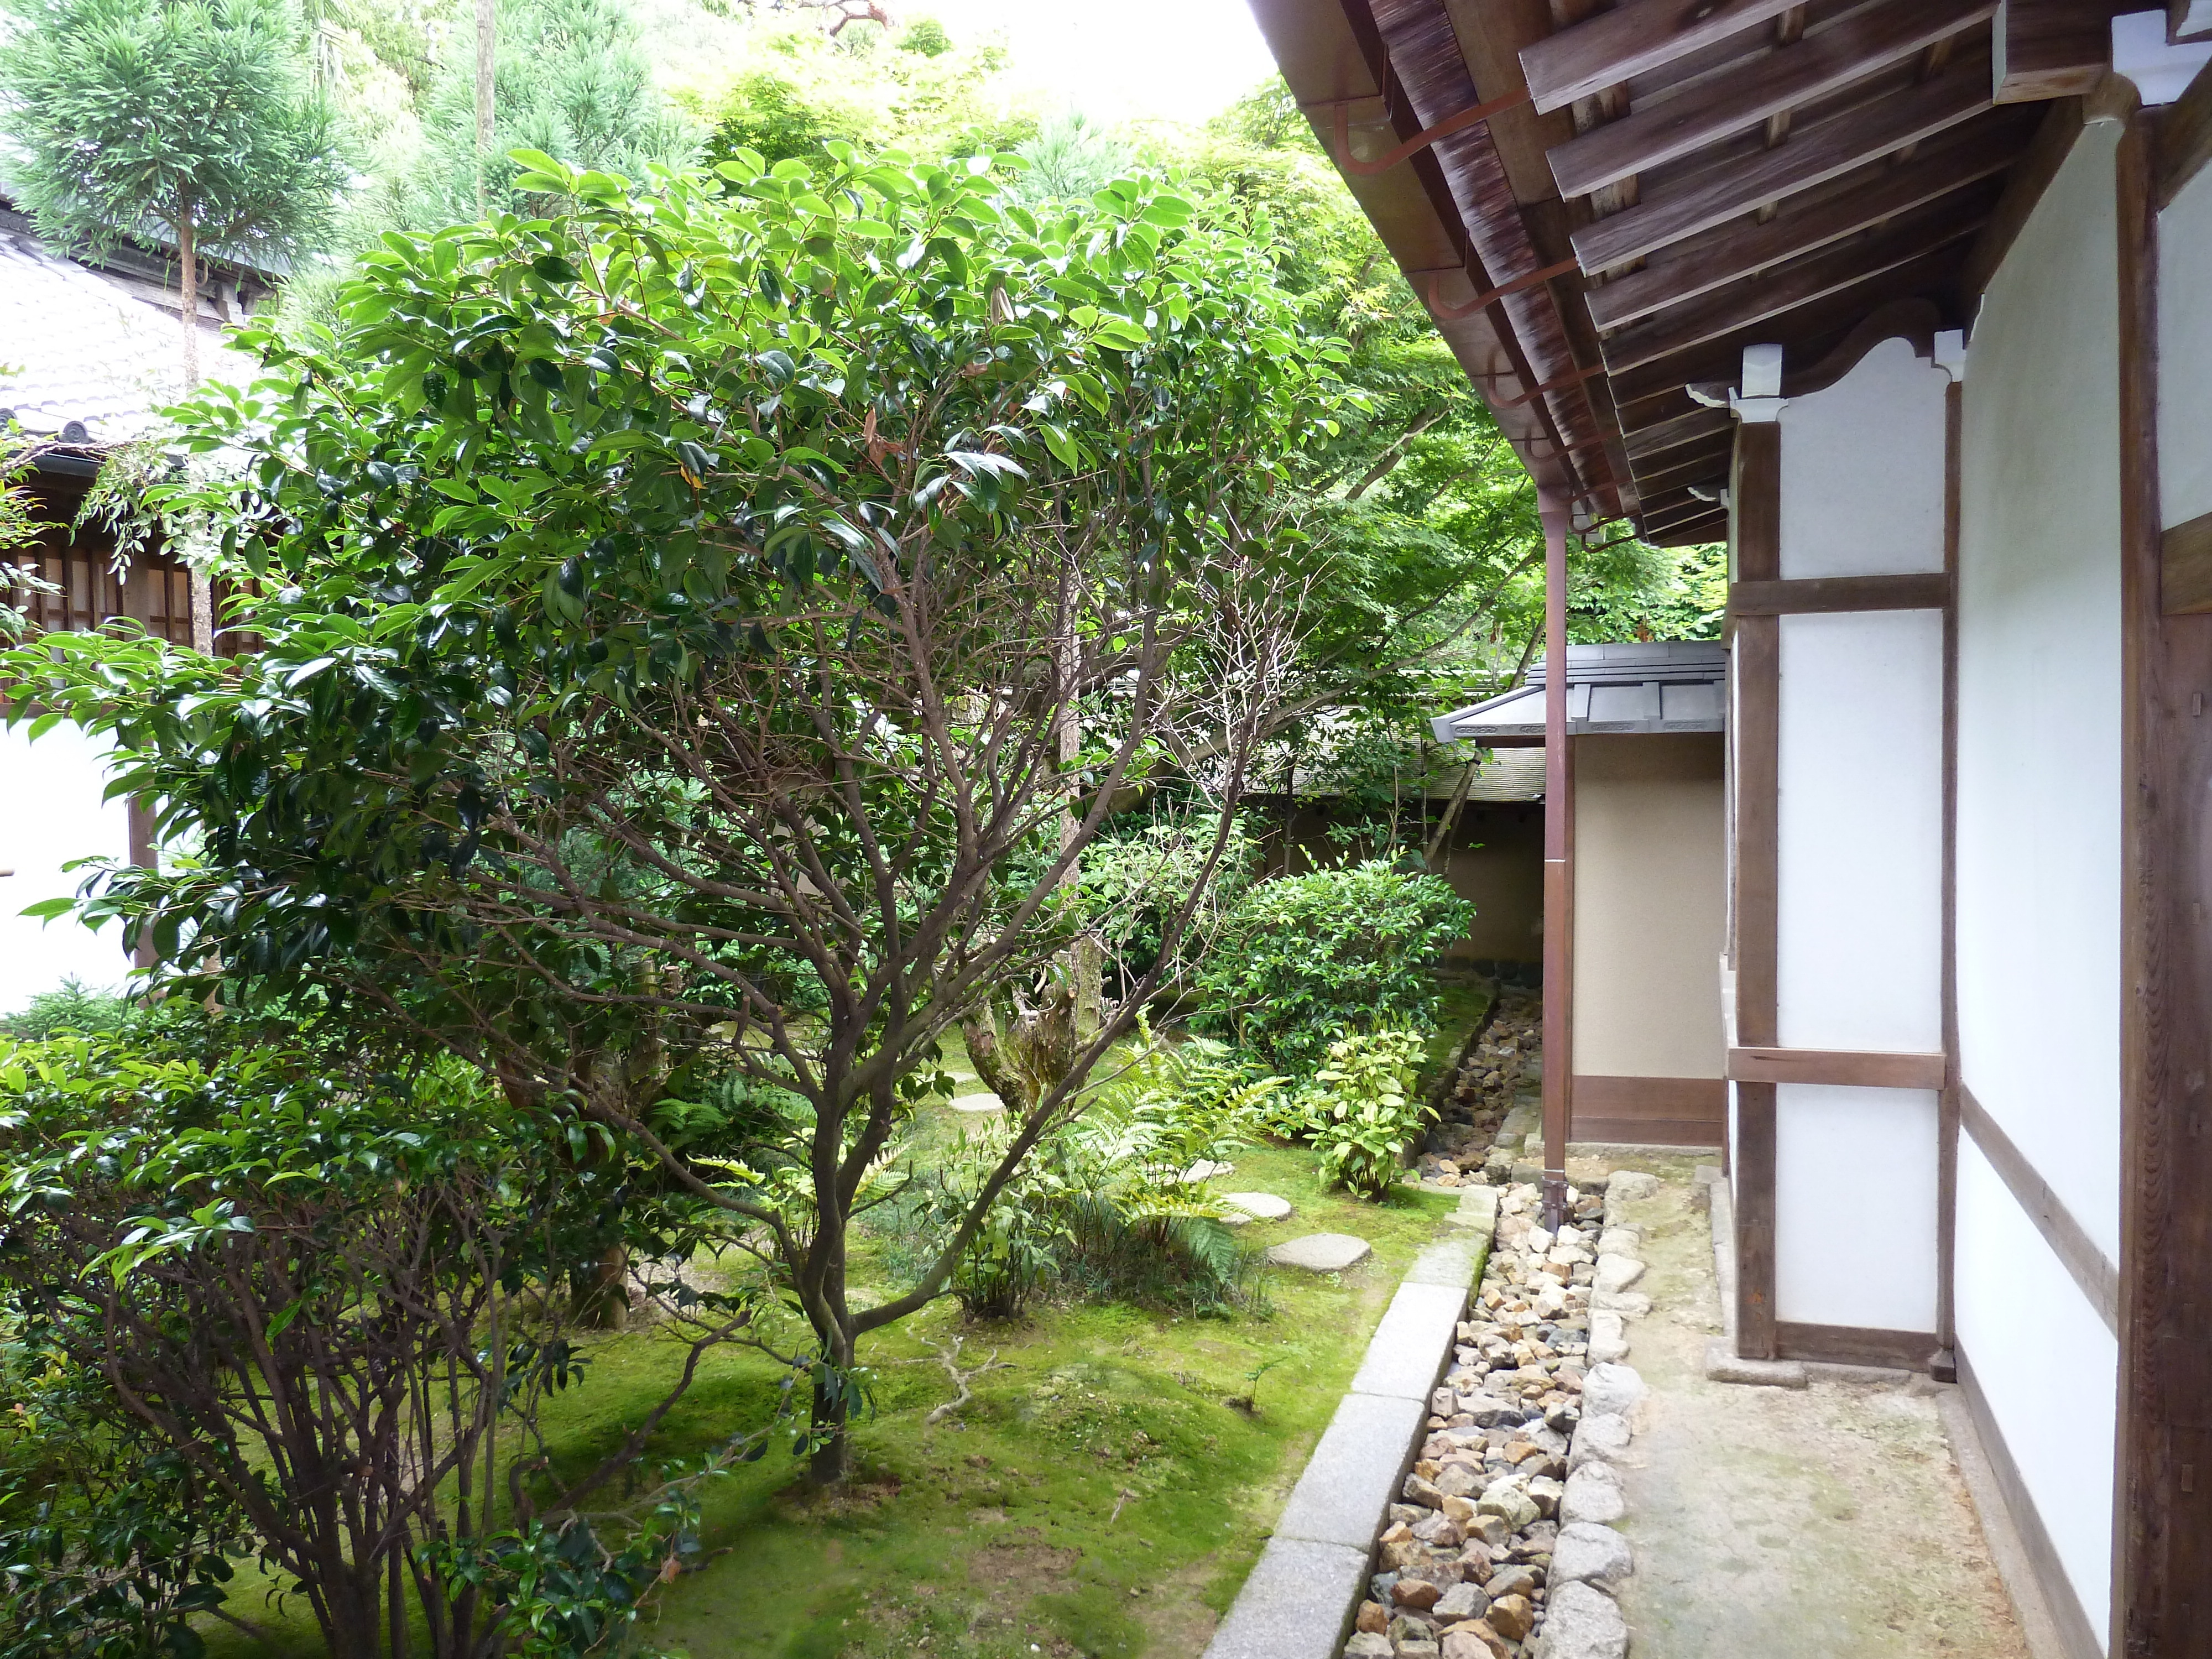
1475	1122
1504	1544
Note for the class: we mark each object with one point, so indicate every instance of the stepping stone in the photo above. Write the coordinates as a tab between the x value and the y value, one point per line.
978	1104
1254	1207
1203	1171
1321	1253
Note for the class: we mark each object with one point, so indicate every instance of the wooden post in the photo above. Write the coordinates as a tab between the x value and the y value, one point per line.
1558	868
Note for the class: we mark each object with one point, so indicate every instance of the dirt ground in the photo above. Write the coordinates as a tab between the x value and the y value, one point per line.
1772	1523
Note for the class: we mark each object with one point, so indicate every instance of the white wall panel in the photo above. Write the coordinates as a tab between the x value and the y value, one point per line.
1859	963
54	815
1863	469
2184	353
2040	776
2050	1370
1854	1206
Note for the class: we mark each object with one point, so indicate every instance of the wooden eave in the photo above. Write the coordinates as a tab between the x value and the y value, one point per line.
1737	171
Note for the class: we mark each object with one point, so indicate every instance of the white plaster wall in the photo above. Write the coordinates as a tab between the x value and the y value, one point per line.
2039	775
1863	469
53	815
2040	786
1860	957
2049	1369
2184	353
1855	1251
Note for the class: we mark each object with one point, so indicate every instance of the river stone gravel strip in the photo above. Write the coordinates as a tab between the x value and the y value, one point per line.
1500	1543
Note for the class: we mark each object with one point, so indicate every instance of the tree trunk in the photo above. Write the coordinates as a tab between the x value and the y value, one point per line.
188	309
831	1460
486	38
599	1289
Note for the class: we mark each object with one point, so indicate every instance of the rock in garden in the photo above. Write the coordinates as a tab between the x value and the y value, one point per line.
1512	1617
1505	1499
1254	1207
1321	1253
1633	1303
1493	1529
1591	1496
1473	1641
978	1104
1590	1553
1599	1436
1206	1169
1460	1601
1457	1480
1620	1240
1490	1412
1369	1644
1418	1648
1546	1494
1418	1491
1582	1623
1608	1338
1610	1391
1416	1593
1615	1273
1439	1530
1510	1581
1373	1619
1631	1184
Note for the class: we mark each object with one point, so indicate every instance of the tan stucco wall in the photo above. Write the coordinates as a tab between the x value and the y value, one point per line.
1649	902
1497	860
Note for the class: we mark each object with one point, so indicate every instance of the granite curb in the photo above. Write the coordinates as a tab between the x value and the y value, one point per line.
1300	1600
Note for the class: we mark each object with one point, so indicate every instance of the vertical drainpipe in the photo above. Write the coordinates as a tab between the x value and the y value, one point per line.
1558	864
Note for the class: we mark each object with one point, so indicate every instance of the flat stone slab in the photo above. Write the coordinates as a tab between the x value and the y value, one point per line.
1296	1605
1321	1253
1478	1208
1353	1474
1254	1207
1722	1366
1453	1261
1413	1341
978	1104
1204	1170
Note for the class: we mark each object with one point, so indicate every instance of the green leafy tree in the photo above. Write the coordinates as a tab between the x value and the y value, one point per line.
570	78
707	578
188	118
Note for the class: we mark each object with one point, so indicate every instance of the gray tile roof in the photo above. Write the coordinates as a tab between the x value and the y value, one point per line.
75	346
1671	686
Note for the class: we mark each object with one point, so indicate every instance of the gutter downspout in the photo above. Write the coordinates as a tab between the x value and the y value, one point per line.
1558	864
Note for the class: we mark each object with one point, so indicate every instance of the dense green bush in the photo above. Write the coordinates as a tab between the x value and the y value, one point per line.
1134	878
1303	958
1362	1112
70	1006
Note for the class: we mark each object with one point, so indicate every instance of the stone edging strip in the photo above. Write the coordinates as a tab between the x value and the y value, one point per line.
1300	1600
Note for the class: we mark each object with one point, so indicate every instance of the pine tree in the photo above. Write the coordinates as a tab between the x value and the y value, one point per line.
189	117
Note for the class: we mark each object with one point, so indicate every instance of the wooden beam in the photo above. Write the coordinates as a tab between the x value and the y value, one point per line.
1687	466
1853	1345
1815	594
1741	304
2090	1268
1744	94
1631	40
2030	176
1691	533
1836	1066
1735	183
2049	48
1816	320
1699	264
1672	433
2185	569
2184	139
1653	1111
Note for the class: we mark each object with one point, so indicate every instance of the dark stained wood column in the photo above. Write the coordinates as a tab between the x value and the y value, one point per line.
1559	869
2162	1582
1756	500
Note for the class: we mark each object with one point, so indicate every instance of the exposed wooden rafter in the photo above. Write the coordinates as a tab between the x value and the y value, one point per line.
1735	184
1699	264
2053	48
1774	83
1830	271
1631	40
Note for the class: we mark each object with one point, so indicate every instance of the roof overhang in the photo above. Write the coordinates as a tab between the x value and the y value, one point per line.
1661	688
1604	211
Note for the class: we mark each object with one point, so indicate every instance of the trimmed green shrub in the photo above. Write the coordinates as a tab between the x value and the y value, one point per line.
1304	958
1363	1111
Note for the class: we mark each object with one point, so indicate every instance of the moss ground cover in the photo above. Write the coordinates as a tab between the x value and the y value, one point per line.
1098	1495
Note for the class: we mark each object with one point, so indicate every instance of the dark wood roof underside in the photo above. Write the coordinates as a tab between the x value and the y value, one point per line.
1652	186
